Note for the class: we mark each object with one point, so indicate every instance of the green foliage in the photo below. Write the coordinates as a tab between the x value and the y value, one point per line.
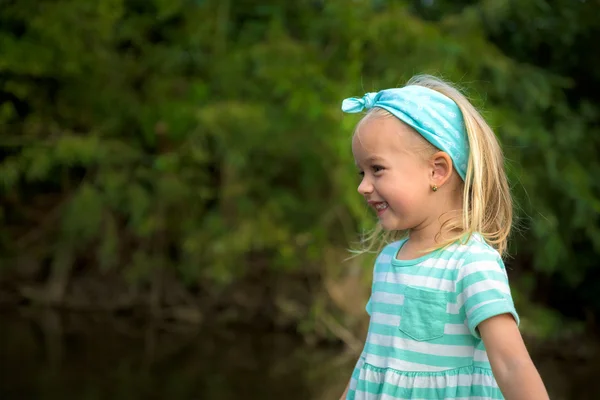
200	135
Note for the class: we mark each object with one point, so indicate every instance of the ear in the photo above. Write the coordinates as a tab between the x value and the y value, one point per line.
441	168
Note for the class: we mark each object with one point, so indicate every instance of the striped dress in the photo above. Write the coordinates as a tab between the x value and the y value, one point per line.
423	341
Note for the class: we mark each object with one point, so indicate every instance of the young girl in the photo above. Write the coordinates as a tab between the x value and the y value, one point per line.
442	320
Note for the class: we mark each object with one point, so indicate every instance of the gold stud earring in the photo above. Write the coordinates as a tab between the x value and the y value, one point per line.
434	188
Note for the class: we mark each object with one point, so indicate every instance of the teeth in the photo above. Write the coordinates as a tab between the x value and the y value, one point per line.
381	206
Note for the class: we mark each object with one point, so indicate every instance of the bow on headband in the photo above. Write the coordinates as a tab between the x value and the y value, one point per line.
435	116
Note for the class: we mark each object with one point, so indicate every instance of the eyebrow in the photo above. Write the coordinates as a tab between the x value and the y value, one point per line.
371	159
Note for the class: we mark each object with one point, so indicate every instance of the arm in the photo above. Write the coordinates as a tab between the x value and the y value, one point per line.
512	366
345	392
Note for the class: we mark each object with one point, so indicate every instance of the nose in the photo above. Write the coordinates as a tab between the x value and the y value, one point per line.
365	187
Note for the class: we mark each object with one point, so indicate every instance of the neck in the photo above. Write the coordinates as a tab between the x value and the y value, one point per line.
429	233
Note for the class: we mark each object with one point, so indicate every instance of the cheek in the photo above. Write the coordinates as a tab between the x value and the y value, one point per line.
407	192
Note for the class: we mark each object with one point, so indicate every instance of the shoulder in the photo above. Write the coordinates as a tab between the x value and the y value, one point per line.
385	256
475	249
476	255
389	251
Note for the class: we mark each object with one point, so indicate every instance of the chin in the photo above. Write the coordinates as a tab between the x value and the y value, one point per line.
393	224
390	226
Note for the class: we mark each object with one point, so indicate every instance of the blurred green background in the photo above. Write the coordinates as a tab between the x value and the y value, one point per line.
178	194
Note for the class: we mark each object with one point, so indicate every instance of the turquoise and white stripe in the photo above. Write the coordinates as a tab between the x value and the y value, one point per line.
423	341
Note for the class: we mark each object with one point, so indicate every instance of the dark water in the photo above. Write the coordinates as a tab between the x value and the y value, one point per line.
48	355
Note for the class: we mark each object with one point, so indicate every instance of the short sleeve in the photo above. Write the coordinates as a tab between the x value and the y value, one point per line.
368	307
382	264
484	291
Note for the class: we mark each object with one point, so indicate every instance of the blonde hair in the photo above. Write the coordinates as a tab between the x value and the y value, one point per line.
487	203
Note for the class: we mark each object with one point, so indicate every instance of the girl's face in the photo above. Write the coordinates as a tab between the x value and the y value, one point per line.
395	174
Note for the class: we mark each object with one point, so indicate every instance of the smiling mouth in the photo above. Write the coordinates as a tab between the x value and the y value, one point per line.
380	206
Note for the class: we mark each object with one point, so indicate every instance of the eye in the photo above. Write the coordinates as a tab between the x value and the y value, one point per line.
361	173
377	168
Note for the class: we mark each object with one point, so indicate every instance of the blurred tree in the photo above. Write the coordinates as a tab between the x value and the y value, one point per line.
197	140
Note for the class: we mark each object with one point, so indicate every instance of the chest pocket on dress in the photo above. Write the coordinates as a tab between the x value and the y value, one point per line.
423	313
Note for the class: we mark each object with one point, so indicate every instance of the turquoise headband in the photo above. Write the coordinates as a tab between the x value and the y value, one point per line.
436	117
